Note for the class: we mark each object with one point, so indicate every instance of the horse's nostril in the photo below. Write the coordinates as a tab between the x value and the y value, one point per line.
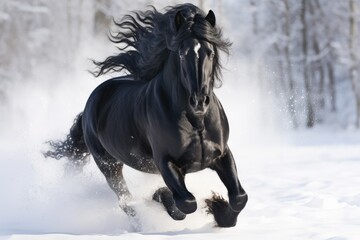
206	100
193	101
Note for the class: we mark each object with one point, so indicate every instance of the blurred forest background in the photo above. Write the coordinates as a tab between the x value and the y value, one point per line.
303	54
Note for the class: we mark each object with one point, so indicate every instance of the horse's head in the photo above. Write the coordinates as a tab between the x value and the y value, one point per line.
197	67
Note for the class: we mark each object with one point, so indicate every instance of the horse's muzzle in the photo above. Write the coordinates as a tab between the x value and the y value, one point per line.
199	104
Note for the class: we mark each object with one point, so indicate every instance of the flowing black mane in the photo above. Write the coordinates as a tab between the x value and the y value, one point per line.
145	39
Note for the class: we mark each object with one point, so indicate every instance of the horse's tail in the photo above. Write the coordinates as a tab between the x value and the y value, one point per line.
73	147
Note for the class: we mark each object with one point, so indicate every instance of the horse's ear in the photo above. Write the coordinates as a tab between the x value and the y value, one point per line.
179	20
211	18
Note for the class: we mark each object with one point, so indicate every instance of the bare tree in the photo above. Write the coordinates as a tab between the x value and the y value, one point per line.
289	73
201	4
254	16
310	115
353	34
329	61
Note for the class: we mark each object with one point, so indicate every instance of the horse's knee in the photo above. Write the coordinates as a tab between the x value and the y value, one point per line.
186	205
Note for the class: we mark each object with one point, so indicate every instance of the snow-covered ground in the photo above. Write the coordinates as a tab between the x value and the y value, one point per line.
301	184
306	188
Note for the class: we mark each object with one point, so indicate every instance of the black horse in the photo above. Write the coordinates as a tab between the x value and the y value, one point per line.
163	116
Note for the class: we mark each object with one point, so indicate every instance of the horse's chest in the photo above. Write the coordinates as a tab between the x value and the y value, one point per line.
198	152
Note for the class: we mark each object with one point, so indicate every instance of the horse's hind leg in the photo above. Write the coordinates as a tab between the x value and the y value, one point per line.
112	171
164	195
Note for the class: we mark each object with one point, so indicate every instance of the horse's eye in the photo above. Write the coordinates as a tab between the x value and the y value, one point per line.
212	55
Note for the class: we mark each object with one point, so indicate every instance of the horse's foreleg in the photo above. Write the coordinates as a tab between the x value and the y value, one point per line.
226	169
174	179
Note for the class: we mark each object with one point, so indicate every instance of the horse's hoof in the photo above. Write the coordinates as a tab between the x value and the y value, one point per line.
128	210
176	214
238	203
165	196
186	206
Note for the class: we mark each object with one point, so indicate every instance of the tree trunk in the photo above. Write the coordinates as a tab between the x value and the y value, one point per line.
201	5
329	62
289	73
331	85
317	68
69	19
354	59
310	116
254	17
